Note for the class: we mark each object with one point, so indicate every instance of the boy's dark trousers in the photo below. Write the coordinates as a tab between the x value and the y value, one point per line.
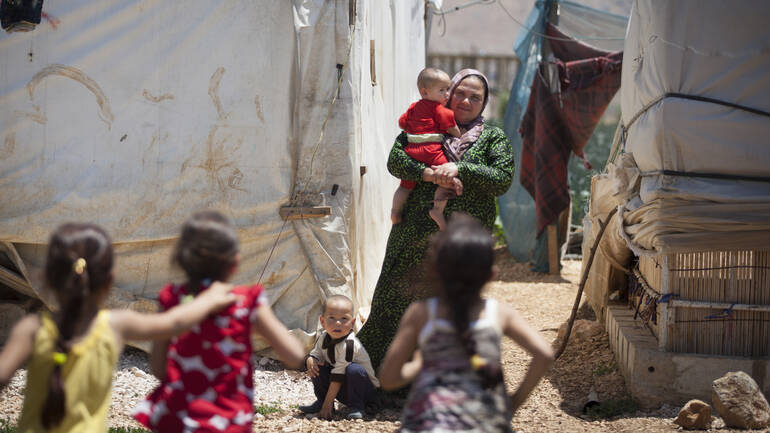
356	390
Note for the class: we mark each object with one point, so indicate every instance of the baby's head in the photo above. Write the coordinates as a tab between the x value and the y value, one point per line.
338	317
207	248
434	85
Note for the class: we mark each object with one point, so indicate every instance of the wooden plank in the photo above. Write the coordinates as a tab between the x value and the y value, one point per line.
553	250
299	212
14	281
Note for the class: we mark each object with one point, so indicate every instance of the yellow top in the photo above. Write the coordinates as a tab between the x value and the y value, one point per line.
86	374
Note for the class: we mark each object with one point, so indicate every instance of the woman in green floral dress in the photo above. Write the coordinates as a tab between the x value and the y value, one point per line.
483	160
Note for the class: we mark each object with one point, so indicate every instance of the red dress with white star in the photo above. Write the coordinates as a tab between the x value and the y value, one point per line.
209	376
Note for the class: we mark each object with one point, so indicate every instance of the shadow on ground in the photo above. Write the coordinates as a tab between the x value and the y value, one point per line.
513	271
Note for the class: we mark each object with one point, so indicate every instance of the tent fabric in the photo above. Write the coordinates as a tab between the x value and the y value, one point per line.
728	63
560	122
601	30
134	115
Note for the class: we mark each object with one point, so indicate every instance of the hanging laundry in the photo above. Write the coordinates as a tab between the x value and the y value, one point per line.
561	117
20	15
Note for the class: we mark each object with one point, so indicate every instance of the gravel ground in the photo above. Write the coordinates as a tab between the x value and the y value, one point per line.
555	405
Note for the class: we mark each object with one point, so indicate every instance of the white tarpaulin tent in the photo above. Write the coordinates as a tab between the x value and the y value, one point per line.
694	174
136	113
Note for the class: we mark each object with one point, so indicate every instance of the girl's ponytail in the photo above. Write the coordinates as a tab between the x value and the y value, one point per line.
462	258
79	263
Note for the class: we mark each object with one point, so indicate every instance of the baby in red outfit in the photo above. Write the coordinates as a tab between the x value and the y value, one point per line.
425	122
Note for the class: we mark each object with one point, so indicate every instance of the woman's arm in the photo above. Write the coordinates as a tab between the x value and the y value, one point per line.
19	346
515	327
494	177
285	345
130	325
396	369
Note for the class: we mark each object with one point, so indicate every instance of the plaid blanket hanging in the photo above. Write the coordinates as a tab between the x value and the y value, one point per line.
557	123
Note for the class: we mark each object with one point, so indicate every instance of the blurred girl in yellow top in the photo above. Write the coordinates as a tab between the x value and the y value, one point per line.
71	355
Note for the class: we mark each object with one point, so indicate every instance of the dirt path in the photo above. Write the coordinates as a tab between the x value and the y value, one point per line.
555	406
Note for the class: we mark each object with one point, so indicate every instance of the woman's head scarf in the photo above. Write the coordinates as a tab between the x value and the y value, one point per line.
455	147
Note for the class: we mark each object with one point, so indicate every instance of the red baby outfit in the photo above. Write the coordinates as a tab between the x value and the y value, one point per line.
426	117
209	380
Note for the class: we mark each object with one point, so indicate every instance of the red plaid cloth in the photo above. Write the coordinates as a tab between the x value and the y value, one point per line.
556	124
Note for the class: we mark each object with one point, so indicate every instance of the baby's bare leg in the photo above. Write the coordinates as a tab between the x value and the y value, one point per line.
439	204
399	198
457	185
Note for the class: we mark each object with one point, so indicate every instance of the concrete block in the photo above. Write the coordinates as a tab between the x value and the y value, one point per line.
654	377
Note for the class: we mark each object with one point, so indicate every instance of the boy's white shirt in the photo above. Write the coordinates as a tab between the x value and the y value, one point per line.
341	362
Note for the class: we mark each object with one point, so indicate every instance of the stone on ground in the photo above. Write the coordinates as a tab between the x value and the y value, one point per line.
739	401
695	415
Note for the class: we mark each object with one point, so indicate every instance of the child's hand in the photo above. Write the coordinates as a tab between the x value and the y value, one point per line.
327	411
218	295
312	367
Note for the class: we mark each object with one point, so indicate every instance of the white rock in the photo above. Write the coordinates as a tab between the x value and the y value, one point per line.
739	401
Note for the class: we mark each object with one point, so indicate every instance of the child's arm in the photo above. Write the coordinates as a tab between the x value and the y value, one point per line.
515	327
395	372
158	358
327	410
285	345
455	131
19	346
130	325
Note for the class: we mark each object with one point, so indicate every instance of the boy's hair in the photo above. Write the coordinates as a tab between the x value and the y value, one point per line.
206	248
462	257
78	264
332	298
429	77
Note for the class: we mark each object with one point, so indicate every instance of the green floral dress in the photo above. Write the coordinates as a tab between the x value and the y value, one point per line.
486	171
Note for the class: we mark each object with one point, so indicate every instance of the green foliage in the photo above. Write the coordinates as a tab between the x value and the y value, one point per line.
502	102
597	151
607	368
497	230
612	408
265	409
6	427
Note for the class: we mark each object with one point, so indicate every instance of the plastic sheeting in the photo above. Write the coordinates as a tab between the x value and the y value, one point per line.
135	114
703	49
597	28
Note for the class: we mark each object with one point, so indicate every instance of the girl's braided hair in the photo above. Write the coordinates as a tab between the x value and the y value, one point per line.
78	264
462	257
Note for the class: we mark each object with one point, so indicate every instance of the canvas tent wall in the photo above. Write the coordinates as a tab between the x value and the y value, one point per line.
691	172
594	27
135	114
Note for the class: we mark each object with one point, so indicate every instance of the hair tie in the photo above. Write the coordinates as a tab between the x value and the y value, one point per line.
79	266
59	358
477	362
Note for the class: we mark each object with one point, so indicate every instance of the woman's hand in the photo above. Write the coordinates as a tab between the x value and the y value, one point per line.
428	175
444	174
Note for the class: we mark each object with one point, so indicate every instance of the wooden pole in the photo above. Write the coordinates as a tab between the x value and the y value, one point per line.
553	250
583	279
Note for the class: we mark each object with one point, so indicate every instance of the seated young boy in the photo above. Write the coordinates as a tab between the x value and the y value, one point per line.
338	364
